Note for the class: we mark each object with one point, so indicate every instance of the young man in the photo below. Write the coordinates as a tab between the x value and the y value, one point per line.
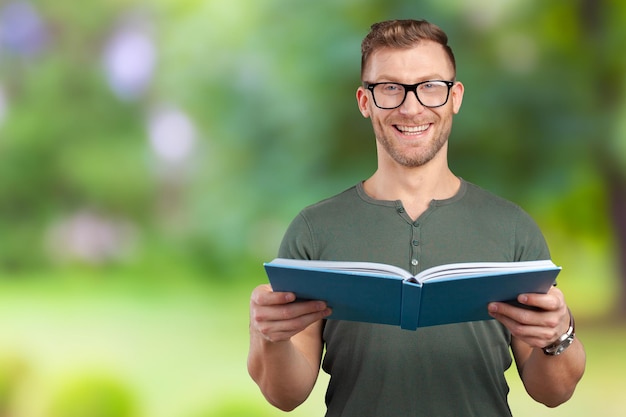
415	213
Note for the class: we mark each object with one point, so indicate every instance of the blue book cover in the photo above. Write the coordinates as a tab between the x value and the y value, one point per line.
385	294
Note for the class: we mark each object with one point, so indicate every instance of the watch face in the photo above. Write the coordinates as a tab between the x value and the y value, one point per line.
557	350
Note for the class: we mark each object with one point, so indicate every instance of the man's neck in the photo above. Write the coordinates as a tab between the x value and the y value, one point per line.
415	187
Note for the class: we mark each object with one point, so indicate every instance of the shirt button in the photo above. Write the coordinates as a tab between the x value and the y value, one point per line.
416	224
400	210
414	262
416	243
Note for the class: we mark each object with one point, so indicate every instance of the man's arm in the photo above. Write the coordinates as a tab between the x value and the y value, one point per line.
550	380
285	346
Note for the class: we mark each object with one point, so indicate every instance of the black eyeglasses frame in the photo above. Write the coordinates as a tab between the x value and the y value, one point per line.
409	88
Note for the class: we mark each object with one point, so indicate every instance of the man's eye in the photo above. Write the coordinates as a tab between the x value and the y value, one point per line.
392	88
432	86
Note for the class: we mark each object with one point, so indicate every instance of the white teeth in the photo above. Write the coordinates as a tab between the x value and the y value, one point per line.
412	129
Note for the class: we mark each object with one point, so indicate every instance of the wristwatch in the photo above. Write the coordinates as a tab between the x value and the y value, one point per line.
564	341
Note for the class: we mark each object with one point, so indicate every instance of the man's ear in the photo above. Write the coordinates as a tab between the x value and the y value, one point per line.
457	96
363	100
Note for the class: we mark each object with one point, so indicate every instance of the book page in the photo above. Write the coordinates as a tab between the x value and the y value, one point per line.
372	268
451	271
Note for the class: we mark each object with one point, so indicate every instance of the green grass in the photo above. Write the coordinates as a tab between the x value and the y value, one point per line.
179	349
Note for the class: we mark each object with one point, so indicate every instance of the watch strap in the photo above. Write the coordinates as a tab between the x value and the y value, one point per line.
564	341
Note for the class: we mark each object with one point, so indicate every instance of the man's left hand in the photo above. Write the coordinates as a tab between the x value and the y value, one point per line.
538	326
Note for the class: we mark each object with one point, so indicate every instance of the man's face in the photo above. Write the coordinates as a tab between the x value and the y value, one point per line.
411	134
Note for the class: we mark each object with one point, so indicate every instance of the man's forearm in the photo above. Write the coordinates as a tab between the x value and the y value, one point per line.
551	380
283	372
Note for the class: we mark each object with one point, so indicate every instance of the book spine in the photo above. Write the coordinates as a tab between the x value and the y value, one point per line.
411	299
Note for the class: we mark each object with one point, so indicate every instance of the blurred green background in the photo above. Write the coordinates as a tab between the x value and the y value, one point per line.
152	153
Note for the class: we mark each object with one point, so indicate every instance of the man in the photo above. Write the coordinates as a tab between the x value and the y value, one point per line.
415	213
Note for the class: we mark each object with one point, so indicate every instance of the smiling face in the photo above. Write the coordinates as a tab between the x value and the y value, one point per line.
410	135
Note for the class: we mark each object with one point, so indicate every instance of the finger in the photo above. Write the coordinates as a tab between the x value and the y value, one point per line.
533	335
512	313
268	306
538	315
284	329
264	296
551	301
536	328
290	311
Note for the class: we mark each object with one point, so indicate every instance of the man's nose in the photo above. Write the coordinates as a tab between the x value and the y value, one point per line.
411	103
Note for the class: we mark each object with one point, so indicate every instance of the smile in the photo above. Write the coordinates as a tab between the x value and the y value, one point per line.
412	130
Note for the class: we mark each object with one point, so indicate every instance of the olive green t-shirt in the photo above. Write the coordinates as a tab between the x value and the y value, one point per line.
384	371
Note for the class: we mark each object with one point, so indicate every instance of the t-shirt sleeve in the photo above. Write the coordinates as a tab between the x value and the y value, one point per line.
530	242
298	240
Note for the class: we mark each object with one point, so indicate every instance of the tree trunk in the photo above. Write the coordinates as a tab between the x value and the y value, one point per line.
609	87
617	189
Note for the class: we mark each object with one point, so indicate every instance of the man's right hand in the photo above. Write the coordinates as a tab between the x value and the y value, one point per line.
285	345
277	317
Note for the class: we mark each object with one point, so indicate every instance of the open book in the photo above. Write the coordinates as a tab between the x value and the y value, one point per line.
380	293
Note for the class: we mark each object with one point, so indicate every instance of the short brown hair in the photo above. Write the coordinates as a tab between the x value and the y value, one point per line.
402	34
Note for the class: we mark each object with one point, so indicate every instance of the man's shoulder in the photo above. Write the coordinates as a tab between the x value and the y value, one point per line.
308	234
482	197
342	200
489	209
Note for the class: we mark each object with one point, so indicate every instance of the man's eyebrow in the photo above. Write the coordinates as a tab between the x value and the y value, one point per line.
394	79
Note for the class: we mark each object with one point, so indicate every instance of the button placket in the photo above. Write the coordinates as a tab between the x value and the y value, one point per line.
415	247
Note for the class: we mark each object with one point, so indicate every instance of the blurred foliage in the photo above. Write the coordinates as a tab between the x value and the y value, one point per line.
13	372
262	95
223	120
94	396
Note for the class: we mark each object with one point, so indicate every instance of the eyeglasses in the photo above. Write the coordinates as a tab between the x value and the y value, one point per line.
432	93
